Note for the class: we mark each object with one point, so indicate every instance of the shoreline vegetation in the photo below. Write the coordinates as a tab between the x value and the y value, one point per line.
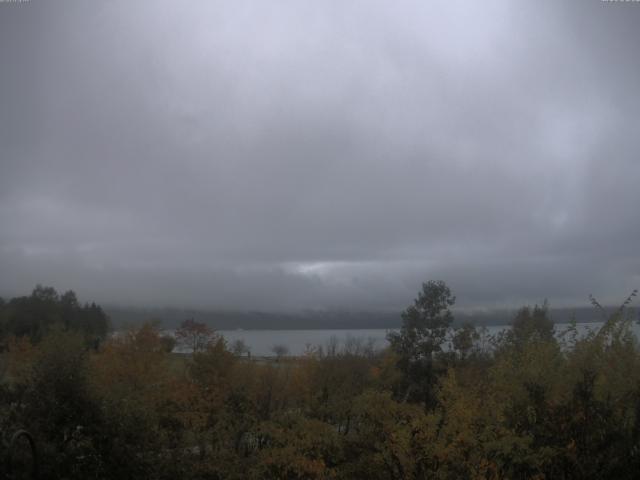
529	402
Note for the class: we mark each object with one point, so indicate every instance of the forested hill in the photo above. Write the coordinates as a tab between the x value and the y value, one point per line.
318	319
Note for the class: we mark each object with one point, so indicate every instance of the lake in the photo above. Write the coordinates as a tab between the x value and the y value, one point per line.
261	342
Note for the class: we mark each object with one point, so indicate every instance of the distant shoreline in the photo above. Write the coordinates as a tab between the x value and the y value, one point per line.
168	318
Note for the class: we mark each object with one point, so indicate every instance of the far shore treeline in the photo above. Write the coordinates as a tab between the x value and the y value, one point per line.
326	319
529	402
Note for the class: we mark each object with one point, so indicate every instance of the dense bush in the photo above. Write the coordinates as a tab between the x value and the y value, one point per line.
530	406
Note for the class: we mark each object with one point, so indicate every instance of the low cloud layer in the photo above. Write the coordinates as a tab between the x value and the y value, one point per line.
320	154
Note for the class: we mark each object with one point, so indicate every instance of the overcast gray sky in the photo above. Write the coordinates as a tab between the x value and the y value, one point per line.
320	154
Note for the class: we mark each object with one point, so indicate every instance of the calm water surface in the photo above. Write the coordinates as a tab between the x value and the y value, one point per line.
261	342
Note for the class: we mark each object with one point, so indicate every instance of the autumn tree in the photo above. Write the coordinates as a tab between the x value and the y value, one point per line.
194	336
131	377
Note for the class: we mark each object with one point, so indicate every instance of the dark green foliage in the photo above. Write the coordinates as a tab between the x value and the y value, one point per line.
34	315
424	328
464	340
58	407
426	322
531	325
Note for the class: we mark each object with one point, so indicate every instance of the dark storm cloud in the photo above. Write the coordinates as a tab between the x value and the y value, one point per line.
319	154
